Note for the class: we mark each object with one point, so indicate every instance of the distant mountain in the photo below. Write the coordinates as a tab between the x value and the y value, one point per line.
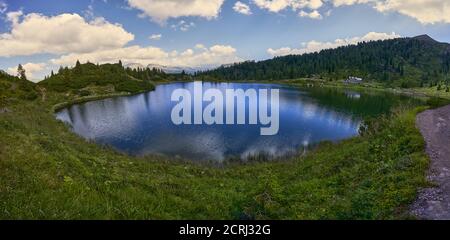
165	69
172	70
425	38
406	62
134	65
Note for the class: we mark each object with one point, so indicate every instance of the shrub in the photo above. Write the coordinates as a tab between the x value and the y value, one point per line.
83	93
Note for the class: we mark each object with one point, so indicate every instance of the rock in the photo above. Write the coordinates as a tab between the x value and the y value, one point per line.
5	110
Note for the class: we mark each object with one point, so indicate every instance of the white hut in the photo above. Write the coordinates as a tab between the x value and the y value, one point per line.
354	80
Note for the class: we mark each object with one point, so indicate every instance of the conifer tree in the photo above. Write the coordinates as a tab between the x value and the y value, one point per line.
21	73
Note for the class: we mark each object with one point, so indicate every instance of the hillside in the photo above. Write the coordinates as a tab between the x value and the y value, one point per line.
406	62
89	74
13	88
49	172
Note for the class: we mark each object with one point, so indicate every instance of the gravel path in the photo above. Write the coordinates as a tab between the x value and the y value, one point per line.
434	203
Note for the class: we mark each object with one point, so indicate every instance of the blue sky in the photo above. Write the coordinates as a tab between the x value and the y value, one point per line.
44	34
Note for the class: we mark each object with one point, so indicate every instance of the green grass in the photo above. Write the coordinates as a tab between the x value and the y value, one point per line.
48	172
432	91
423	93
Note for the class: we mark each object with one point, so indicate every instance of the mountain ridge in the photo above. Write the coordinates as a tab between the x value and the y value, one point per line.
165	69
406	62
425	37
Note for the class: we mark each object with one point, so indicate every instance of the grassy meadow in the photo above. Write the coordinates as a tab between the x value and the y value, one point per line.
48	172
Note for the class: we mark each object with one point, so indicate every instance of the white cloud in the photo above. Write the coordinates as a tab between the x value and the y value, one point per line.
3	7
113	55
314	14
278	5
65	33
213	56
339	3
187	53
222	50
72	38
424	11
186	27
89	12
161	10
30	69
13	17
200	46
242	8
155	37
316	46
183	26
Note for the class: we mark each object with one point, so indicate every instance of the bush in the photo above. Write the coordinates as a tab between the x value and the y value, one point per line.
133	86
83	93
31	95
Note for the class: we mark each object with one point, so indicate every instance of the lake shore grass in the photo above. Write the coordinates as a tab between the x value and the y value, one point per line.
78	100
48	172
421	93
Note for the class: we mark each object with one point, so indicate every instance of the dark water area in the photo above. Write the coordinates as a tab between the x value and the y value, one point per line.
142	125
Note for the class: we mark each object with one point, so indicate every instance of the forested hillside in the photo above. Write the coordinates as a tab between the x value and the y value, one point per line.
406	62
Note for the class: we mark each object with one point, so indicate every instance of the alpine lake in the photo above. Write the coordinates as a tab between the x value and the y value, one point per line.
142	124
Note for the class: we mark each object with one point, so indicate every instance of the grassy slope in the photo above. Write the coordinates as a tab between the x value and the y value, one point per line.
86	78
47	172
432	91
13	88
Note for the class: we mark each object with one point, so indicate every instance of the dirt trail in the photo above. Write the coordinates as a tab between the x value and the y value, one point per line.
434	203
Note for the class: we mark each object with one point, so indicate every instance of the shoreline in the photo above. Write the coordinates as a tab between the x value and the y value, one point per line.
59	106
210	163
294	83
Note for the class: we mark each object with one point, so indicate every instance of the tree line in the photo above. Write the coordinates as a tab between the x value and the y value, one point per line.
406	62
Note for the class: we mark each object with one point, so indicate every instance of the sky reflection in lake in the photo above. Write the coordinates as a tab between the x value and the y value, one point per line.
141	124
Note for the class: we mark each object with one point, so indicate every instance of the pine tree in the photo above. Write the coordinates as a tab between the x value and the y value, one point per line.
77	68
21	72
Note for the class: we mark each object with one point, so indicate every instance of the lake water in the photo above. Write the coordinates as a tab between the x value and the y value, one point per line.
141	124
